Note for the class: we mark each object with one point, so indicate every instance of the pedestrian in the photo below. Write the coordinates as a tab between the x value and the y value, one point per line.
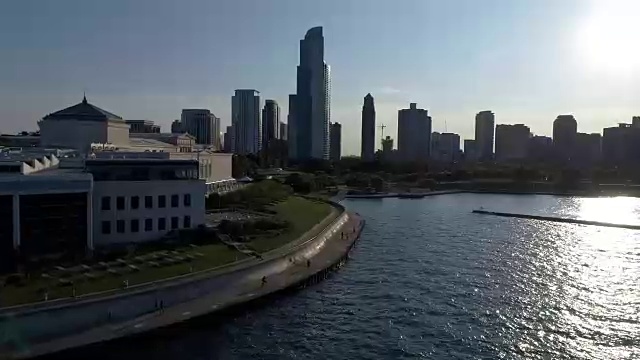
161	306
308	263
264	280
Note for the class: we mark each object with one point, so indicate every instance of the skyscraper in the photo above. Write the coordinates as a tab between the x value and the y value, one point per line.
485	127
292	141
336	141
176	126
414	134
202	124
284	133
311	112
445	147
512	142
368	141
245	119
228	140
270	122
565	131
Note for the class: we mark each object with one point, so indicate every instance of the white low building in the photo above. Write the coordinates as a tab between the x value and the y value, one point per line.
70	208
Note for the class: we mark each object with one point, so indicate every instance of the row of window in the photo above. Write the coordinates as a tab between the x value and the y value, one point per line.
148	202
134	225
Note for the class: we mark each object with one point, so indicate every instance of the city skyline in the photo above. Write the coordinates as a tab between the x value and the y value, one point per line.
522	82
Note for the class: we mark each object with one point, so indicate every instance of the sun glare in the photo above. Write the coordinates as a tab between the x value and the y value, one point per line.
608	37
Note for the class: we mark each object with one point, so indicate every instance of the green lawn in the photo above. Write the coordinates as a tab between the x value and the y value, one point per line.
302	213
210	256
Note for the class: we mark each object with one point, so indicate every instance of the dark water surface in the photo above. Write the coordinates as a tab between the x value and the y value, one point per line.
429	279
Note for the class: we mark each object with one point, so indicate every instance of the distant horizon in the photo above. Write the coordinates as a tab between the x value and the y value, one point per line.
526	61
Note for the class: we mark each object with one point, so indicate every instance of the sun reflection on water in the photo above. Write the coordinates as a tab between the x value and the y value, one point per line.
619	210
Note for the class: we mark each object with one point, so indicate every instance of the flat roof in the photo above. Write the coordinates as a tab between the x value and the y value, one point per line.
140	161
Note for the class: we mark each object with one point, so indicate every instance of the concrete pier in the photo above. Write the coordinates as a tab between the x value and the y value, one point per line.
558	219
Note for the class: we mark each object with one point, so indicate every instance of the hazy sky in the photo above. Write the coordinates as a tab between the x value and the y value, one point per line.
527	60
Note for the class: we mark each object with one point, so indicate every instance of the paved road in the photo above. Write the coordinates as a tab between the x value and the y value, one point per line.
245	289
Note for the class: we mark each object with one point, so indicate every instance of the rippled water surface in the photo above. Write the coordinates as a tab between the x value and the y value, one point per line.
429	279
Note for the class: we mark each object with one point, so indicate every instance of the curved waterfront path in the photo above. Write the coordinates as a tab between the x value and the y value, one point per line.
246	288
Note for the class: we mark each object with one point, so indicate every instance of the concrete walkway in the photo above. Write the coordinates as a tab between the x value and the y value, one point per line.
246	288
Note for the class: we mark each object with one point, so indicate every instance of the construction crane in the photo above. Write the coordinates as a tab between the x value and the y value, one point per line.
382	126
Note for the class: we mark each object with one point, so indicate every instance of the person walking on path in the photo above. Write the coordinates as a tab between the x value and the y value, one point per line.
161	306
264	280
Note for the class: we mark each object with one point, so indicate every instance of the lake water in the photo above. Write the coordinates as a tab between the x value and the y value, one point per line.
431	280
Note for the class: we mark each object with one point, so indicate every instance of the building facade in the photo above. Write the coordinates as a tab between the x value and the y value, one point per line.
284	133
270	122
245	119
470	153
142	126
79	126
336	141
540	148
485	128
445	147
512	142
414	134
229	140
565	130
588	149
202	124
312	110
368	134
621	145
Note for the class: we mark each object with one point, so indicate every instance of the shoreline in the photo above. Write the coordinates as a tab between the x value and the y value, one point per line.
294	264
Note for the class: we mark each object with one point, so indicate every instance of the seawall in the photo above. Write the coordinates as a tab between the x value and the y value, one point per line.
47	328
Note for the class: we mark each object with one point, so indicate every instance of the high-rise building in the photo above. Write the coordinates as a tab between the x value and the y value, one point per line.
565	130
245	119
311	111
414	134
336	141
387	149
621	145
228	140
176	127
292	133
368	138
201	124
284	133
588	149
540	148
635	121
512	142
485	127
445	147
270	122
470	152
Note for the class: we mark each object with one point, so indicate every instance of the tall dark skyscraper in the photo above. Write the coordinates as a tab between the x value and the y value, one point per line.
485	130
414	134
270	122
311	111
336	141
368	141
565	132
245	119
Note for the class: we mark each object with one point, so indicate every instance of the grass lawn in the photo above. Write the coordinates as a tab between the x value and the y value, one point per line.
210	256
303	215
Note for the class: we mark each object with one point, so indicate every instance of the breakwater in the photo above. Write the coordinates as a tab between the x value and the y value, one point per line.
558	219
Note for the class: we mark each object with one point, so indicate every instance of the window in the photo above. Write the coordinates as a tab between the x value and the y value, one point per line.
148	224
120	202
162	201
187	222
162	224
187	200
135	202
174	222
174	201
106	203
148	202
106	227
120	226
135	225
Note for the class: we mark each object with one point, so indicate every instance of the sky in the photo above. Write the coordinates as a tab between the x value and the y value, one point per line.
526	60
